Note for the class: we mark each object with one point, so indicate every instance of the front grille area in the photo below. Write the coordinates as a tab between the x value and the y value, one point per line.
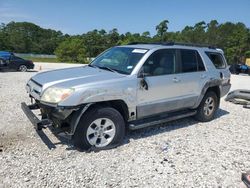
34	89
36	82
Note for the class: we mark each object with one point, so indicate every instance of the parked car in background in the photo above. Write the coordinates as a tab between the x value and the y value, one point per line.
239	68
9	61
5	55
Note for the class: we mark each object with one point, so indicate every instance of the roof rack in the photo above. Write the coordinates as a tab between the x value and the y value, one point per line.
175	43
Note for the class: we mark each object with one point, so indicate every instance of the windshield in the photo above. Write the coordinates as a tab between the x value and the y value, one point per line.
119	59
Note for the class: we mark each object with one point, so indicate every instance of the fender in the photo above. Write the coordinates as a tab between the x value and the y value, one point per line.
76	118
208	84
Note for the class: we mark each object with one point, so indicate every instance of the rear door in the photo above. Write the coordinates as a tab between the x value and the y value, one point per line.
192	76
15	62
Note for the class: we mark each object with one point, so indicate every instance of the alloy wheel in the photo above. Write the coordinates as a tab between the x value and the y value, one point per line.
23	68
209	106
101	132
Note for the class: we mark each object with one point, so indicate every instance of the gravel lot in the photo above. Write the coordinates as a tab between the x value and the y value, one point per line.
182	153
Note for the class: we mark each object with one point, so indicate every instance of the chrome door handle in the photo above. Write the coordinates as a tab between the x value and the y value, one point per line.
176	80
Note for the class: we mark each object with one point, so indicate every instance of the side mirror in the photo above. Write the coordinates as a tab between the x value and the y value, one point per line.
143	83
142	73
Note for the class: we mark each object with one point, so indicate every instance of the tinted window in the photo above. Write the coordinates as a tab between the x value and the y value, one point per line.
161	62
217	59
201	66
191	61
16	58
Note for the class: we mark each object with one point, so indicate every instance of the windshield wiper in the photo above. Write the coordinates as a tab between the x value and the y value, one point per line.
107	68
92	66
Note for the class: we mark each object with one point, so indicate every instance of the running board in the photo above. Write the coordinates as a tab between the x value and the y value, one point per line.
159	120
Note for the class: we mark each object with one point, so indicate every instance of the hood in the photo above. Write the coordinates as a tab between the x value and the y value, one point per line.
73	77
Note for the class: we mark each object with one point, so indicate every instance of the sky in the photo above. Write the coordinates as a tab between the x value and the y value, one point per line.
136	16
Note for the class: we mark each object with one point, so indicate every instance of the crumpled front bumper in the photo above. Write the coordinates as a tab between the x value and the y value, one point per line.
38	124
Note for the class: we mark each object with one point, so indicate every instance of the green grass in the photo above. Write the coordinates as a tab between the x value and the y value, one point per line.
49	60
46	60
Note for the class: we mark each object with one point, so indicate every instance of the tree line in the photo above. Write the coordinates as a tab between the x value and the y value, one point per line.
25	37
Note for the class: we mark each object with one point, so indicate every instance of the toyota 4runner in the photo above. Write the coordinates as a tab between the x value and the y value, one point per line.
131	86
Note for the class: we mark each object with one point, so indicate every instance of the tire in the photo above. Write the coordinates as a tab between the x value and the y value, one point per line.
22	68
207	107
99	129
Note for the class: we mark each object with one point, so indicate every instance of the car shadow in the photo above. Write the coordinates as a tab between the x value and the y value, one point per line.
32	71
52	145
46	139
10	70
136	134
168	127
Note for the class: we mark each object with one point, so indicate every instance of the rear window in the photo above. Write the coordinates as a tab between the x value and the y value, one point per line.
191	61
217	60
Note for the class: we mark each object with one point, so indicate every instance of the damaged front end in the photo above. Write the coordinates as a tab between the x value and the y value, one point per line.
63	119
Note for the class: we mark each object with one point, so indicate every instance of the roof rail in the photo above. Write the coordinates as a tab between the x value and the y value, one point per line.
175	43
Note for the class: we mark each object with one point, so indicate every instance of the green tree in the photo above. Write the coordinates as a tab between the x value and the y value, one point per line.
233	38
247	54
187	34
199	32
72	50
162	29
212	34
27	37
95	42
3	43
146	34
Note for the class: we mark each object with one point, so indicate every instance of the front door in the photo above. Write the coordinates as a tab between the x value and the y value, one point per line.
160	76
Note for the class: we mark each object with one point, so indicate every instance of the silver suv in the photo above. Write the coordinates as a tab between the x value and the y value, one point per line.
132	86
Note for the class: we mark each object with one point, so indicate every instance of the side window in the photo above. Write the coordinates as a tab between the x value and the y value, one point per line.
161	62
217	60
201	66
191	61
15	58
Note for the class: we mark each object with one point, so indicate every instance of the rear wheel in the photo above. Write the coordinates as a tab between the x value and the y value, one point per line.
22	68
207	107
100	128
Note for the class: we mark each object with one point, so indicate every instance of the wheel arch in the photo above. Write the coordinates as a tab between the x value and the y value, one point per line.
119	105
215	89
210	86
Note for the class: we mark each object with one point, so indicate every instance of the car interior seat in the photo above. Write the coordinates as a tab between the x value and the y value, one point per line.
166	65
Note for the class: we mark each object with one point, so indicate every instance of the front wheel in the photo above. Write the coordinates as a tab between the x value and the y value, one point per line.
22	68
100	128
207	107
